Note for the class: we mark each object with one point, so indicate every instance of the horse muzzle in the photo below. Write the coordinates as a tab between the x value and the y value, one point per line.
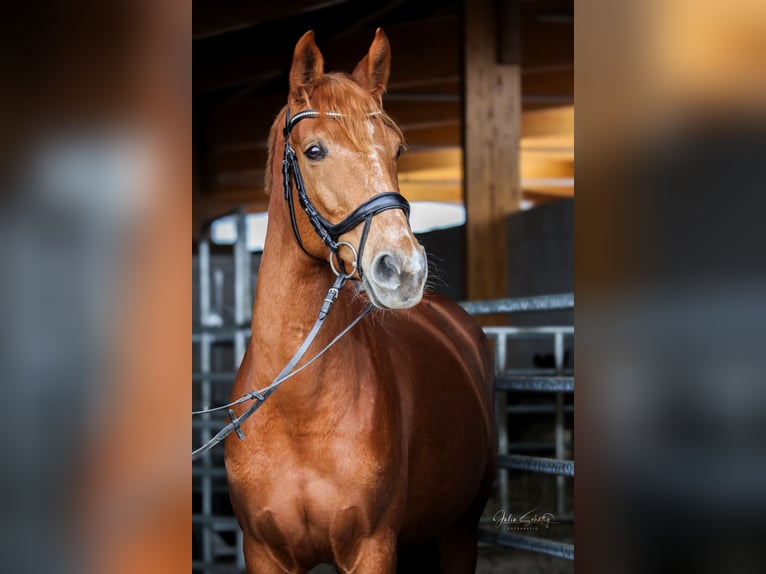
396	281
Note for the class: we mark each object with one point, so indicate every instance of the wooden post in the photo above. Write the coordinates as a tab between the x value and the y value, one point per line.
491	141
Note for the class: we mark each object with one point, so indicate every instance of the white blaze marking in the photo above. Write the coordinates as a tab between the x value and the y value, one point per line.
375	176
377	182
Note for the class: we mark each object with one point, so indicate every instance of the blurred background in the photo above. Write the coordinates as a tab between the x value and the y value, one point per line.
670	277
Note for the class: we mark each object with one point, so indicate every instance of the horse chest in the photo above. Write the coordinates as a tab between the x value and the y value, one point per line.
314	487
327	467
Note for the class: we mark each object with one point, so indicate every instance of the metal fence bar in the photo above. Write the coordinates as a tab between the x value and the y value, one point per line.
211	471
530	543
536	464
531	445
520	304
558	352
212	423
218	284
537	409
524	332
535	372
243	302
219	522
198	566
220	333
223	377
205	389
222	522
535	384
501	416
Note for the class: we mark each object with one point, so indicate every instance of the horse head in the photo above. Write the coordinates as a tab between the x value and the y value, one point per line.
346	156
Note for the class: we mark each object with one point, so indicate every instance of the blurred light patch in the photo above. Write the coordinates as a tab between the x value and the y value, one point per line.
223	231
428	216
103	172
67	232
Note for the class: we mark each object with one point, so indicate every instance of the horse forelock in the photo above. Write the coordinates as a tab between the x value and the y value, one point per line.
352	108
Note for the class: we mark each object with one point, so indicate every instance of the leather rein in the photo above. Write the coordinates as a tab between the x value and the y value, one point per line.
330	234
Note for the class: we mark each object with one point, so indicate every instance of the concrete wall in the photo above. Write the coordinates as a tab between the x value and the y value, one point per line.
540	253
541	250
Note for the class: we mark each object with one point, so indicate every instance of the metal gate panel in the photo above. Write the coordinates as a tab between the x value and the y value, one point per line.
505	382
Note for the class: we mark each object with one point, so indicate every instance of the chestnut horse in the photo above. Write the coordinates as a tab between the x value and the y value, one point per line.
381	454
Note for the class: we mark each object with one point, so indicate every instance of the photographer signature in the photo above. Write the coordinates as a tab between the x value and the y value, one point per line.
529	521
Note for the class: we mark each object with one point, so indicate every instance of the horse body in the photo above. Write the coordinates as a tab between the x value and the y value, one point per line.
387	442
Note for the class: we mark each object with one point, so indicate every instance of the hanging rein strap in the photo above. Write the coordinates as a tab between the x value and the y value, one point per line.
288	371
328	232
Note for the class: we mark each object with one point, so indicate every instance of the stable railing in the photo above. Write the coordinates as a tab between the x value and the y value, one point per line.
509	381
219	536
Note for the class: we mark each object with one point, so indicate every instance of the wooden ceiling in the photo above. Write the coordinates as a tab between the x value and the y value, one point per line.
242	51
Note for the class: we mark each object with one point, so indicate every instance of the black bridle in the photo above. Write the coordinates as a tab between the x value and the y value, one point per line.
330	233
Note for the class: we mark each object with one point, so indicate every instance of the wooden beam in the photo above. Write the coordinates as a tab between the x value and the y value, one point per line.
424	52
233	62
419	113
247	167
555	121
548	81
492	124
446	190
212	206
244	125
434	136
545	166
222	16
544	43
244	122
541	197
430	160
549	191
239	160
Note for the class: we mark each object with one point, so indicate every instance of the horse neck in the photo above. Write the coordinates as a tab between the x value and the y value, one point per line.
291	288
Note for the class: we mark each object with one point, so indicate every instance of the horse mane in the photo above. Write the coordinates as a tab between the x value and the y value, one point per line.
337	93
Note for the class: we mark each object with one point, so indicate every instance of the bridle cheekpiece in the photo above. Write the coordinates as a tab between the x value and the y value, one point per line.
330	233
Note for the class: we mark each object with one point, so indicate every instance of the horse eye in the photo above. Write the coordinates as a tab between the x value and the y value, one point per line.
314	152
398	152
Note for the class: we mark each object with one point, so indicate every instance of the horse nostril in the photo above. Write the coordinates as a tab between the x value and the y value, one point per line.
386	270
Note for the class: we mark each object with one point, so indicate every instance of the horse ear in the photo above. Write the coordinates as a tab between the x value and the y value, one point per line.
372	72
307	66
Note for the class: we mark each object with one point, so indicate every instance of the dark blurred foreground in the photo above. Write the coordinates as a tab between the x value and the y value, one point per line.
94	297
671	287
